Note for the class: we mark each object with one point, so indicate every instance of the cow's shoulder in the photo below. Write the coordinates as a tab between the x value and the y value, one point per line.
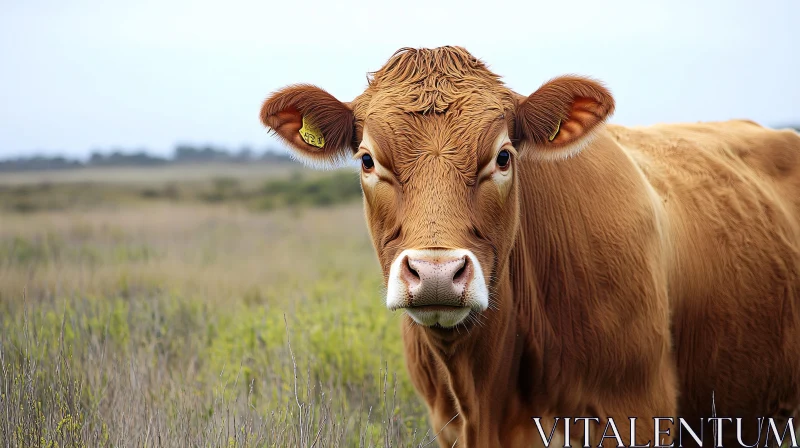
700	152
736	144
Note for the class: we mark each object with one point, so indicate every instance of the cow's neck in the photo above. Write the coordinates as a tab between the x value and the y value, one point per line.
553	263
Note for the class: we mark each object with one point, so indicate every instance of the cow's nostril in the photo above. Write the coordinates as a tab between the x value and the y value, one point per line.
461	273
411	270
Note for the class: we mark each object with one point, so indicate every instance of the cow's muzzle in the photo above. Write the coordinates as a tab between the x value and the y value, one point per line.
437	286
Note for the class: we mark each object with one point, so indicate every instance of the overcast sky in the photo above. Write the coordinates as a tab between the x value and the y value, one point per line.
79	75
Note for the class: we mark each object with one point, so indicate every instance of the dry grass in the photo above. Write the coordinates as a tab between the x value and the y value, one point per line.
158	324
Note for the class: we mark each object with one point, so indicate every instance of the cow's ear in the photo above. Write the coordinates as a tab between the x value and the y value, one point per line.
558	120
318	127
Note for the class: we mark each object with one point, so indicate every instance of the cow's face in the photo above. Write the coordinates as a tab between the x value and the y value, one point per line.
439	140
440	199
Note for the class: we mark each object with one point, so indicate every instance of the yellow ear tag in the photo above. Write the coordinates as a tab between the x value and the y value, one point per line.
311	134
555	133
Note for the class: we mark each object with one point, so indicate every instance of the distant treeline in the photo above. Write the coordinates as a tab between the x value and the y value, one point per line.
183	154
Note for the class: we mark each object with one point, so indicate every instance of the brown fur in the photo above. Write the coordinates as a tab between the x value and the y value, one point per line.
284	110
580	104
655	267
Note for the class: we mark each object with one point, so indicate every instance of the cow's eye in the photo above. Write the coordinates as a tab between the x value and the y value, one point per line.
503	158
367	162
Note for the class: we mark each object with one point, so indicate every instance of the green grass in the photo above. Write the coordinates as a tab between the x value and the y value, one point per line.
194	323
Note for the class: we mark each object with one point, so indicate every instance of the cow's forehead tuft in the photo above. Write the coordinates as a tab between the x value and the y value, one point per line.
432	81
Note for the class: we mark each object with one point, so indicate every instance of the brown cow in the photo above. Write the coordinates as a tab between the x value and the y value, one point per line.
553	265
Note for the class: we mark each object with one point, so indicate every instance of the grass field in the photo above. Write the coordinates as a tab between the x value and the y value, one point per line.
179	309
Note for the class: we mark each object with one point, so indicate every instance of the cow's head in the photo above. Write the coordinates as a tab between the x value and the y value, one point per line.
439	138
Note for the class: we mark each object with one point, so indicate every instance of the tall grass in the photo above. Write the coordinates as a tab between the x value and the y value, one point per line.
161	324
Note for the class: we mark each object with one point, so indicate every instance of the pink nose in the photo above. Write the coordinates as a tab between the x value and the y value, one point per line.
436	281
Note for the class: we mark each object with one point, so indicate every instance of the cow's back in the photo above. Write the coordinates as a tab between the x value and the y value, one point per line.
730	193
